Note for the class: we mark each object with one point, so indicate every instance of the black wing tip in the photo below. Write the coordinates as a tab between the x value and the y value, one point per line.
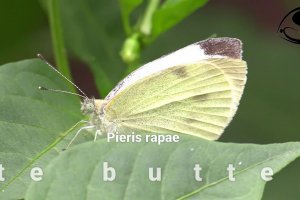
224	46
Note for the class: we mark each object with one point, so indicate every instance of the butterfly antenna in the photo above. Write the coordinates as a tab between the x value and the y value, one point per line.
61	91
44	60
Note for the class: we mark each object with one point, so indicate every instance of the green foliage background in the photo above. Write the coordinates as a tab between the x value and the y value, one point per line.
94	35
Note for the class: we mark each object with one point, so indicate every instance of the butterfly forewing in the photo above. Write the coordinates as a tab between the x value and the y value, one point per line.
198	99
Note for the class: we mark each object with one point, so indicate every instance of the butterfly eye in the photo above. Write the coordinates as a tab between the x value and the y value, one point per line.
87	107
289	28
91	107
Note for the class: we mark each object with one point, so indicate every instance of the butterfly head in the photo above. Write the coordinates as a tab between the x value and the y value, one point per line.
91	106
94	108
88	106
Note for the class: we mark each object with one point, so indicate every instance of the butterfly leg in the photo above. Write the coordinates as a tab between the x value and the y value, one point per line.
98	132
78	132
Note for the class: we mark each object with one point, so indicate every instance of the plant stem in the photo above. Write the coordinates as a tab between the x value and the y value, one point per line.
58	40
131	50
146	24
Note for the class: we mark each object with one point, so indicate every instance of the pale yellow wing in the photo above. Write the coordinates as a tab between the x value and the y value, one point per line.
198	99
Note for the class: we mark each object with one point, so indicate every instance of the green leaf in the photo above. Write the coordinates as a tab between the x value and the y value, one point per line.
127	6
172	12
30	120
79	170
93	31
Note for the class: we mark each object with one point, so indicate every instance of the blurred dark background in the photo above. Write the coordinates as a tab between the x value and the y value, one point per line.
269	110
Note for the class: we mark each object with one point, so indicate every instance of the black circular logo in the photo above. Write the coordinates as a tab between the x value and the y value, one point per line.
289	27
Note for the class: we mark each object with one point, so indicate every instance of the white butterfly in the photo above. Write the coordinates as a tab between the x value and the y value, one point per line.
194	90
